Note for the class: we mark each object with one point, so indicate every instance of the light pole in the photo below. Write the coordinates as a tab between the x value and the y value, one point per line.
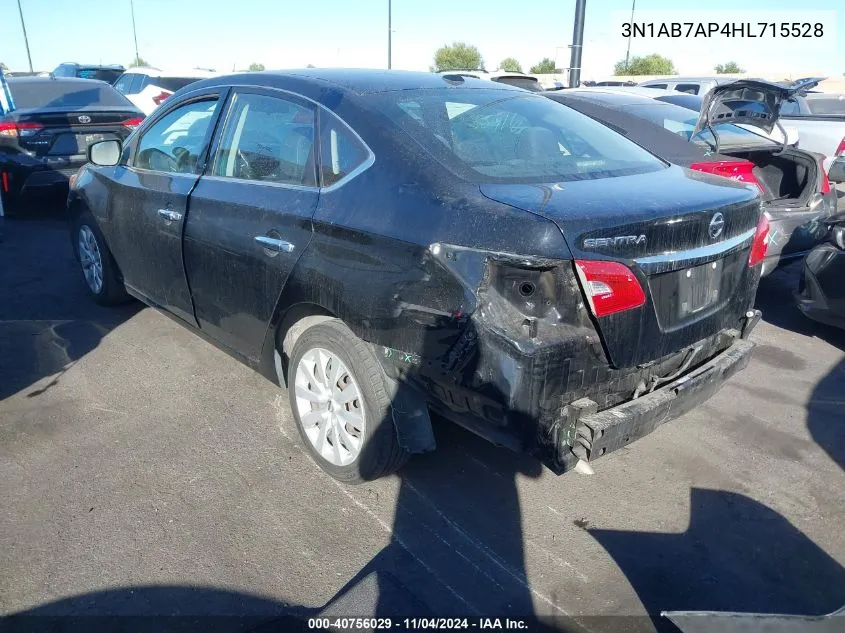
134	33
389	32
577	44
630	32
25	38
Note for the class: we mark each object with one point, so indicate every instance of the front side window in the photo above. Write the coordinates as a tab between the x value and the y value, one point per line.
267	139
174	142
137	84
498	136
656	86
122	84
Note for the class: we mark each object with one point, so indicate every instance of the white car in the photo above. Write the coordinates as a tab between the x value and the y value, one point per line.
147	88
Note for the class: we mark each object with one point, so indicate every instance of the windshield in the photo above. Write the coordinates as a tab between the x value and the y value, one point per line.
55	93
682	122
500	136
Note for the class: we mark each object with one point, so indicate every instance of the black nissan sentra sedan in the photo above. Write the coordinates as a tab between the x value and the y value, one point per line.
390	245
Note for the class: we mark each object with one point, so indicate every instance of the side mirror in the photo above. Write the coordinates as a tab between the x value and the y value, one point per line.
837	170
104	153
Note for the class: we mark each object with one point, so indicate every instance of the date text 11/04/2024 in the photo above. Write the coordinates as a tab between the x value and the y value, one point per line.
783	30
417	624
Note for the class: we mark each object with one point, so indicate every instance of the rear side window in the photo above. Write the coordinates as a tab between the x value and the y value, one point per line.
101	74
51	93
341	152
657	86
791	107
174	142
834	104
267	139
689	88
495	136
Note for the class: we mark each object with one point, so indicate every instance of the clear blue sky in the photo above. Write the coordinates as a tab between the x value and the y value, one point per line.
288	34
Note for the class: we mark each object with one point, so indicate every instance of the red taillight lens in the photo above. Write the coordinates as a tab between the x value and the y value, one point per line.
610	286
825	181
741	170
760	243
132	123
161	97
840	149
19	128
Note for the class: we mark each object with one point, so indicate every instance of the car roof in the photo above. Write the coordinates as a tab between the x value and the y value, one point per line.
359	81
663	80
651	93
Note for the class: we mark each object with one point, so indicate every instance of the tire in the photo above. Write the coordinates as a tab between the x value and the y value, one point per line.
358	372
89	245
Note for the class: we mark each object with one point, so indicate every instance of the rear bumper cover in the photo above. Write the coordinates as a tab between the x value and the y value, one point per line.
595	433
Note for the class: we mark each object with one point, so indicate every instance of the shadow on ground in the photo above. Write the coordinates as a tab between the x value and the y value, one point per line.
47	319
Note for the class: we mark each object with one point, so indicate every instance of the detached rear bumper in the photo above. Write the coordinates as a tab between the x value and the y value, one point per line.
595	433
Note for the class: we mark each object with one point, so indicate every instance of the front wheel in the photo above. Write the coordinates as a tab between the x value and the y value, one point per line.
98	266
340	404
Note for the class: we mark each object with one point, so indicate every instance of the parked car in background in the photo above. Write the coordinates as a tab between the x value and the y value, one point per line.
519	80
526	271
821	292
821	103
148	88
794	187
692	85
89	71
45	138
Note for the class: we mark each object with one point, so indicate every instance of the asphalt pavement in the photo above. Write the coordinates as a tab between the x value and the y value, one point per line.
145	472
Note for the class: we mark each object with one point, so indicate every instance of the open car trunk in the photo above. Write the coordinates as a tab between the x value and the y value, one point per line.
788	178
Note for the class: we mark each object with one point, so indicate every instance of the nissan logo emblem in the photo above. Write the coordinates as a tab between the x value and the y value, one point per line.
717	225
84	118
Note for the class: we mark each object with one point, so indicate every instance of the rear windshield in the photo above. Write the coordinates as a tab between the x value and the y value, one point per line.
109	76
172	83
499	136
682	122
52	93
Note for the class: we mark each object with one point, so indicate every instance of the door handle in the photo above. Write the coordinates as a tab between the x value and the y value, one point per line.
274	244
170	216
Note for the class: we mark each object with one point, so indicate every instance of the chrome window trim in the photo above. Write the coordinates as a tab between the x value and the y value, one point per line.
676	260
270	183
370	160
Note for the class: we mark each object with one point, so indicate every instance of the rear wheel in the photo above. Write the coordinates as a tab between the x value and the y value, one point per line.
99	269
340	405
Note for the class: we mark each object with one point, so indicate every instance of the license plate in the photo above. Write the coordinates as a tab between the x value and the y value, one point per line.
698	287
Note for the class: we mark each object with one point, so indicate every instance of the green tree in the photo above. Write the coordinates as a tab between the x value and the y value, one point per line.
458	56
255	66
310	66
139	61
653	64
545	67
730	67
510	64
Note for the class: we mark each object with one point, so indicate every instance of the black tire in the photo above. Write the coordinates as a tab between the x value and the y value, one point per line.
380	453
111	291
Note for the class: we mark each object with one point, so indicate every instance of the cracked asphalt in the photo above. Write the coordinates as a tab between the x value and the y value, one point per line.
145	472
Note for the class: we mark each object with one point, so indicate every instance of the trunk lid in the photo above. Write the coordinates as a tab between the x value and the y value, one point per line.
686	236
69	132
751	102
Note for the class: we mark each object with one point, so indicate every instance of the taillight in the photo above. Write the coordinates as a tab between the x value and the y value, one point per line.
133	123
840	149
5	182
18	128
161	97
741	170
825	182
760	243
610	286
